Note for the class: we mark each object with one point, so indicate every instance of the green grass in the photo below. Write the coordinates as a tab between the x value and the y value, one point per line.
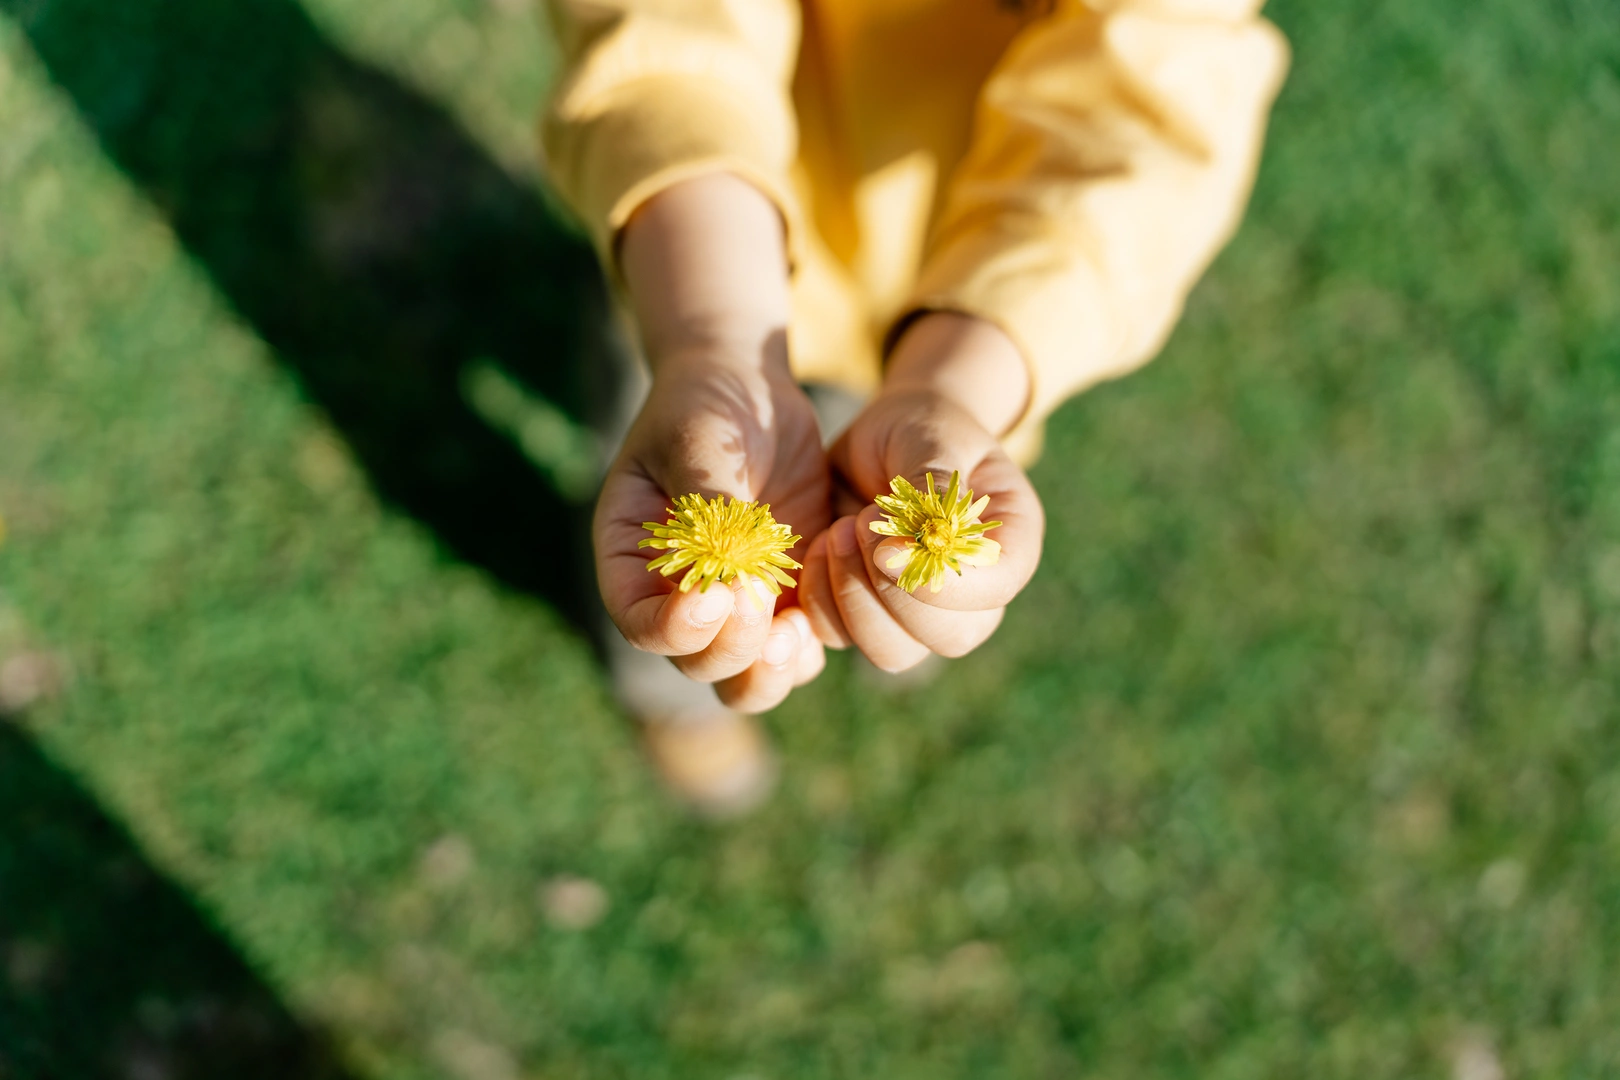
1300	758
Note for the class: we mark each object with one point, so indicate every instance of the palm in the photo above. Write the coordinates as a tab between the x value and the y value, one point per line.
746	437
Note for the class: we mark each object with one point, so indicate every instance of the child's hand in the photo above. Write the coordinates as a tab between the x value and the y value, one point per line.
948	382
715	428
708	279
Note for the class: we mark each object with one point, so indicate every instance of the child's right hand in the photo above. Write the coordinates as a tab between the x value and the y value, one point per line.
707	276
715	428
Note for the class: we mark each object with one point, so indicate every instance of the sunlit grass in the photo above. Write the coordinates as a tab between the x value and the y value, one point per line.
1298	759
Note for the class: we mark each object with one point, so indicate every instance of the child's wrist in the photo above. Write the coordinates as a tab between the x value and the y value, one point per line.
966	360
751	352
706	267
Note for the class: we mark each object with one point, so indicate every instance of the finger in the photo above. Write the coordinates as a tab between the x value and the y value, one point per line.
946	632
1014	503
846	500
646	606
816	597
740	638
676	623
812	658
767	681
884	641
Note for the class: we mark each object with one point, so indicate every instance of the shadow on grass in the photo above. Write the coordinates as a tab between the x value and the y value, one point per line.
366	238
106	968
382	255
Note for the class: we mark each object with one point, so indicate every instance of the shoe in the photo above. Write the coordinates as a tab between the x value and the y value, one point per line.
716	761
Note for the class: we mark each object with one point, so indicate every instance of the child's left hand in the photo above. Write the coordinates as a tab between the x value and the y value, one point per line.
914	427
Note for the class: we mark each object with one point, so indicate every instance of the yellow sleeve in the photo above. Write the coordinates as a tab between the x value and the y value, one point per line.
656	91
1114	148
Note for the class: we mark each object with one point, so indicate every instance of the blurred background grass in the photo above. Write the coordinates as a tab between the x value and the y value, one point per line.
1300	757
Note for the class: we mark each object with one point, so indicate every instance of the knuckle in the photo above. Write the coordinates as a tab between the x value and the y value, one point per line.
675	645
751	694
854	592
732	660
893	650
712	664
735	653
650	641
809	670
968	632
672	635
827	624
749	624
695	668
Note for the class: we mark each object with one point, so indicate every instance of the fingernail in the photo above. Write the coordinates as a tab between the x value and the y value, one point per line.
891	557
712	606
843	537
801	623
750	596
778	648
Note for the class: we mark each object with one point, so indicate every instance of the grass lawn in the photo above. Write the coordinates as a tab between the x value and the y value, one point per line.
1299	759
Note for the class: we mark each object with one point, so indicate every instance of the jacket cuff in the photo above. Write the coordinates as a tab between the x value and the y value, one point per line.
629	144
1045	295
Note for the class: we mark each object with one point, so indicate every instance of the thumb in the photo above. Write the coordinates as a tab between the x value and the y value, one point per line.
891	556
1002	559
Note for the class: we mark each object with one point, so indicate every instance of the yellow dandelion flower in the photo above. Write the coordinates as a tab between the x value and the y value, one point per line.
943	533
718	539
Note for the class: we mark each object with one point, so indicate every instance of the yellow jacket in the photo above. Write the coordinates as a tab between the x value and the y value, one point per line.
1063	168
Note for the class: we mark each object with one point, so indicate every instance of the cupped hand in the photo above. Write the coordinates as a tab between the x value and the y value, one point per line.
715	428
847	587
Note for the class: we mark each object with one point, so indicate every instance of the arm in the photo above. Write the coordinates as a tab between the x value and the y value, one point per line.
707	277
653	93
671	134
1113	153
1114	150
